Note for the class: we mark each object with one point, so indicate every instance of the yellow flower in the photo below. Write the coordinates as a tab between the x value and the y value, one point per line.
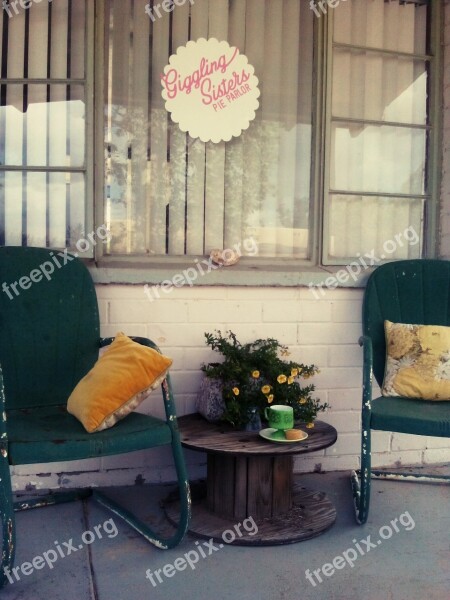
302	401
236	391
255	374
309	425
270	398
290	380
265	389
294	372
281	378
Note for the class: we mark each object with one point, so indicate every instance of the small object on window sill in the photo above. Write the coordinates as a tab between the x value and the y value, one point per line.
224	258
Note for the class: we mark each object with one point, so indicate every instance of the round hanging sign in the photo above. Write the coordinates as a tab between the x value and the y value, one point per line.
210	90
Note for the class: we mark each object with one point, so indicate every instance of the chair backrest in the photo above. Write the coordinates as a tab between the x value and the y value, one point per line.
406	291
49	325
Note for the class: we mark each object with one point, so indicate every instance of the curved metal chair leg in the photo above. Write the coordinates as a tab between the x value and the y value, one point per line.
8	520
145	530
361	480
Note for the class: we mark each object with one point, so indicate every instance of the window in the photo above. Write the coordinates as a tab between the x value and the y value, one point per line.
43	172
341	157
379	128
169	194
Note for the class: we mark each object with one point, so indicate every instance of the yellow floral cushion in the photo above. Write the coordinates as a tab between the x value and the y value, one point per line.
119	381
417	361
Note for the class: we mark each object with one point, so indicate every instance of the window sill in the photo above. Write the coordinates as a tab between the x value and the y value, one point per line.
243	274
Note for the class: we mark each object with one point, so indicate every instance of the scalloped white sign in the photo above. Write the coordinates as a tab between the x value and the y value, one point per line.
210	90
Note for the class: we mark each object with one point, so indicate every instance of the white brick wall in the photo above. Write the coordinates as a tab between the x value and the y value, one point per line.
324	332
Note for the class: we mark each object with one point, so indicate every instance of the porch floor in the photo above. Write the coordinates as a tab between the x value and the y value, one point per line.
411	564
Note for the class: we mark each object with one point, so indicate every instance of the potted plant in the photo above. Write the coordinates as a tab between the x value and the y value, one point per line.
254	375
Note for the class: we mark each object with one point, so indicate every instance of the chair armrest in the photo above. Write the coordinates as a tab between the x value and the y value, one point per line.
366	342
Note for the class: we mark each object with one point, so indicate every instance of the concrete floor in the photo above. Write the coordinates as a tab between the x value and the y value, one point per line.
412	563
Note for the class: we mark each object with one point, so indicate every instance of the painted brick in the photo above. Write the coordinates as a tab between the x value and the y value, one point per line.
285	333
438	442
103	308
403	441
343	377
238	312
130	311
177	356
436	456
181	335
380	441
330	333
265	294
346	311
316	312
347	443
137	329
345	356
282	312
310	463
345	399
344	422
310	355
186	382
397	459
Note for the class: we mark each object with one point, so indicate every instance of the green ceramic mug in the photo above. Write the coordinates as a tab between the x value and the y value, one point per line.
280	416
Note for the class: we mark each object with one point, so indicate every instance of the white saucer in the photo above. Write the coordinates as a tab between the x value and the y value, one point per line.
267	434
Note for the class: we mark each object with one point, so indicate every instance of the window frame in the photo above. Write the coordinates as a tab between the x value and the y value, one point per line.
431	195
131	269
87	169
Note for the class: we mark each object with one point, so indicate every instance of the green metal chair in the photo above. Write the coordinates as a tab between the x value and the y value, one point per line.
49	339
407	291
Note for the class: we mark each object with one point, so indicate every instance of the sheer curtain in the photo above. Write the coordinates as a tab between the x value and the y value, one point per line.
379	127
169	194
42	124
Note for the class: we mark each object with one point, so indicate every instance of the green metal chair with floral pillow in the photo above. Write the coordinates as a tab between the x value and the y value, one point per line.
49	341
414	296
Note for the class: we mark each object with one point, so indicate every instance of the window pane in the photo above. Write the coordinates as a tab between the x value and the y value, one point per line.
394	25
43	126
42	209
36	50
367	85
167	193
375	158
390	227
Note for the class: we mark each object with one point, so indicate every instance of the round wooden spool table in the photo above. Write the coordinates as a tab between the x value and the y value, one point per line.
248	476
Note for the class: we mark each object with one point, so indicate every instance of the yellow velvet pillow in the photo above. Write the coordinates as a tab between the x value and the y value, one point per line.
417	361
119	381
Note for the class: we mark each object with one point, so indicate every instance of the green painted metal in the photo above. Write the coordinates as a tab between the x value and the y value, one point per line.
409	291
49	339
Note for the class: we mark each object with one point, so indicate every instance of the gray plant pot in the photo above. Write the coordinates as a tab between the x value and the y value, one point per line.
210	403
